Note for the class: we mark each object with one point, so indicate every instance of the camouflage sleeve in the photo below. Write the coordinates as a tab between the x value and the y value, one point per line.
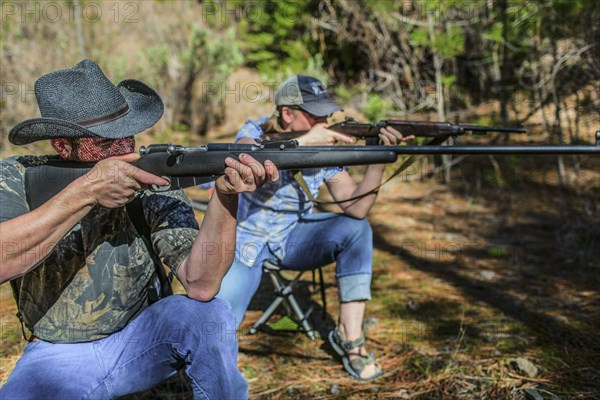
173	225
13	201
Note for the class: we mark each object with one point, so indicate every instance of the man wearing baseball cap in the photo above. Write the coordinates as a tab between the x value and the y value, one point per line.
308	94
83	263
276	221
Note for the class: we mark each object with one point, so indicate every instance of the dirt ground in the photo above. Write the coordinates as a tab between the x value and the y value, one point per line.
478	292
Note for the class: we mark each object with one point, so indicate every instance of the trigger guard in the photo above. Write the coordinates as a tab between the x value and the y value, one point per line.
163	188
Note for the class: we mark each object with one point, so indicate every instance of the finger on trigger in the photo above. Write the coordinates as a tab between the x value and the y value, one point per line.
128	158
146	177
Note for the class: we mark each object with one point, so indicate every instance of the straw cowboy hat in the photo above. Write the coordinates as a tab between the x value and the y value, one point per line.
81	102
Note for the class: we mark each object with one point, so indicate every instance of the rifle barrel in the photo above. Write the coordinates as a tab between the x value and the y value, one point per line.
290	147
589	149
507	129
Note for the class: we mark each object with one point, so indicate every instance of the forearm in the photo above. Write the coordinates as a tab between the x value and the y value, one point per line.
360	208
213	250
27	240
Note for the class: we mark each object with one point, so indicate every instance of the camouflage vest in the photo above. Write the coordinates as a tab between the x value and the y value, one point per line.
97	277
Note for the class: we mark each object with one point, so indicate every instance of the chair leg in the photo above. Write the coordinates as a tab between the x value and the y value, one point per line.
292	303
279	289
285	294
266	315
301	317
282	288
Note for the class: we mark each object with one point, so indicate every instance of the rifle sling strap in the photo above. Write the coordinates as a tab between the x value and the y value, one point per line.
299	178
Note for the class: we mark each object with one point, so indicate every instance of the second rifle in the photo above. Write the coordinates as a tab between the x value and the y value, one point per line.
370	131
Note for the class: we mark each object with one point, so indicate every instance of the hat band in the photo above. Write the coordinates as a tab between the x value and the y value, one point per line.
105	118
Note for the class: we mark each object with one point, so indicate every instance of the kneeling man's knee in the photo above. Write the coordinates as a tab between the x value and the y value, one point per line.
210	323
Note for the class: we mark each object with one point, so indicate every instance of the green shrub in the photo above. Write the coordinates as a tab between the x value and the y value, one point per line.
377	108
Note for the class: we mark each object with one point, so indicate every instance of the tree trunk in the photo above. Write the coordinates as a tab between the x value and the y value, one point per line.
439	94
560	163
504	69
79	29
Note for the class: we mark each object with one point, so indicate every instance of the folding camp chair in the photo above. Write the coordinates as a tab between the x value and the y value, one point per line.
284	292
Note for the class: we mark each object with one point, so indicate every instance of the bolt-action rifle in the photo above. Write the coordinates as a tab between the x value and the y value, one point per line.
189	166
370	131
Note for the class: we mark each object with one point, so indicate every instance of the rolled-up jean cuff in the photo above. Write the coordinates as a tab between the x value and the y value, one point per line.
356	287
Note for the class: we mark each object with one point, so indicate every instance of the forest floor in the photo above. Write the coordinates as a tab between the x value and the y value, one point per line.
485	287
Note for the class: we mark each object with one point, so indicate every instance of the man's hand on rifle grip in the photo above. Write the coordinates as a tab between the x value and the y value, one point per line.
113	182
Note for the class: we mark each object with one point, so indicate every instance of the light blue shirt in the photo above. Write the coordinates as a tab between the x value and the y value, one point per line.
267	216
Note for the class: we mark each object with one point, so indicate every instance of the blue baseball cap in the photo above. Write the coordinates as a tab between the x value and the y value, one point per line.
308	94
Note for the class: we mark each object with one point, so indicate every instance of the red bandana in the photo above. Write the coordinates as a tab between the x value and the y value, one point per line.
92	149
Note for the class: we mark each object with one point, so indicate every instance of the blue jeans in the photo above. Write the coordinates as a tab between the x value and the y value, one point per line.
173	333
317	240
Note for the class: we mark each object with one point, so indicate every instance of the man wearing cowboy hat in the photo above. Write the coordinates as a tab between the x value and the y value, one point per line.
82	274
